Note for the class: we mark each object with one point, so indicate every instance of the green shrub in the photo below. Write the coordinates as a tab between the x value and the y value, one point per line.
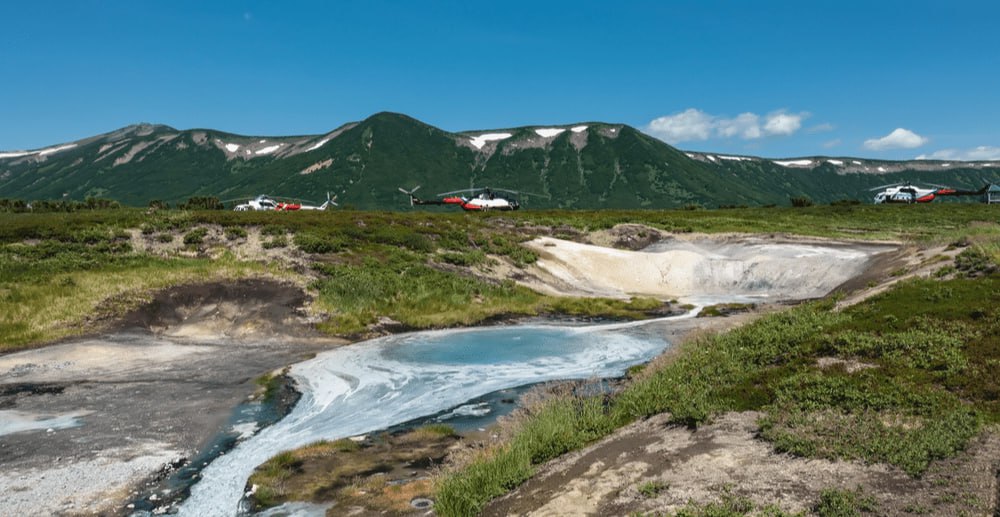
973	261
801	201
844	503
202	203
273	230
235	232
313	243
651	489
467	259
275	242
195	236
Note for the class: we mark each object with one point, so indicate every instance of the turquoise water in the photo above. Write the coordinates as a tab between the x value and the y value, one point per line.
384	382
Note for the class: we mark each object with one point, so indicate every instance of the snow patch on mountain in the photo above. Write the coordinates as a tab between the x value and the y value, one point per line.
578	129
51	150
267	150
319	144
480	141
835	162
794	163
549	132
42	152
232	147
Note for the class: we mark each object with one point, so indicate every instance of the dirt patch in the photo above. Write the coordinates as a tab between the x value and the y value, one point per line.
244	308
891	268
367	475
724	459
627	237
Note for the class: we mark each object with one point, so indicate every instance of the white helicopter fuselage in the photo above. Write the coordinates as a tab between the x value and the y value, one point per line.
905	194
263	203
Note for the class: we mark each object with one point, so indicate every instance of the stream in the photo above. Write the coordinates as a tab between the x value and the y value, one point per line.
376	384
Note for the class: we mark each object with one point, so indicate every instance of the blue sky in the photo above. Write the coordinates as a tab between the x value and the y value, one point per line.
881	79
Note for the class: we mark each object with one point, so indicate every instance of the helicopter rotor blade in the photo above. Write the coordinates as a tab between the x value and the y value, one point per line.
887	186
461	190
521	192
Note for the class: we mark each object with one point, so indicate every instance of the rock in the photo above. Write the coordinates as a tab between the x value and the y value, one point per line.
421	503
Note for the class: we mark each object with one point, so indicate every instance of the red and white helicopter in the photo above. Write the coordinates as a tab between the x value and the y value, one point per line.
480	200
908	193
265	202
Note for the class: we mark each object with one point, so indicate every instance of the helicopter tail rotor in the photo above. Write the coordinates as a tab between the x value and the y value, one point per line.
329	201
410	193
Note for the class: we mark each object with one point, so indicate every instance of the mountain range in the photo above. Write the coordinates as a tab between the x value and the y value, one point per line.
584	165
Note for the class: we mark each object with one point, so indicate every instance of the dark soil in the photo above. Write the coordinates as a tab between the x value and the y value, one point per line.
275	307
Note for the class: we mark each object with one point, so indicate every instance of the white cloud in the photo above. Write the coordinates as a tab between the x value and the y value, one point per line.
983	152
694	124
784	124
745	126
900	138
687	125
831	143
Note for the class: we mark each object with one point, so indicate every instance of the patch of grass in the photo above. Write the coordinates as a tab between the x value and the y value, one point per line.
636	308
414	294
43	305
973	261
724	309
561	424
435	430
313	243
273	230
651	489
355	472
195	236
235	233
275	242
844	503
270	383
466	259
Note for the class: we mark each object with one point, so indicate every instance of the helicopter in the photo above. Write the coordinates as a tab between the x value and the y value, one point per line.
264	202
481	200
908	193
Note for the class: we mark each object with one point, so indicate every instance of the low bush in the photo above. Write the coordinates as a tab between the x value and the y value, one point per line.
195	236
275	242
235	233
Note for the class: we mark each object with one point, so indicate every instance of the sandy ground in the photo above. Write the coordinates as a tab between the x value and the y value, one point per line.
99	415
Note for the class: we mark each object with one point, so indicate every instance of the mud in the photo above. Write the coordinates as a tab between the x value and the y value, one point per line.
145	396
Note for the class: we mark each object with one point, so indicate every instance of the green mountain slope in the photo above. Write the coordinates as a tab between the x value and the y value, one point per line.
589	165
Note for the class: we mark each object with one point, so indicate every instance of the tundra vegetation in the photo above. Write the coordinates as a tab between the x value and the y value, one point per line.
928	347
